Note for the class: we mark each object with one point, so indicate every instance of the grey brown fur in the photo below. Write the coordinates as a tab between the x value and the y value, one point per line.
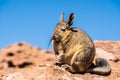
75	50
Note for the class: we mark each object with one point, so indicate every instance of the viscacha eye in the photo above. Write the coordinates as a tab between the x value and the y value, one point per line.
63	29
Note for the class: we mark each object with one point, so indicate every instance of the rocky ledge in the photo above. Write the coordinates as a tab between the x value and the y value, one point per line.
22	61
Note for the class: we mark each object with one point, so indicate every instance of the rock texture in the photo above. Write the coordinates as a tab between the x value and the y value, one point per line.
21	61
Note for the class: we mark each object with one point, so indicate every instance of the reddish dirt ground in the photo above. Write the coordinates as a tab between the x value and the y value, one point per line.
21	61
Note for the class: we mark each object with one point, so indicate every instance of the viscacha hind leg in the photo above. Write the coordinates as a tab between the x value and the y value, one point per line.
68	68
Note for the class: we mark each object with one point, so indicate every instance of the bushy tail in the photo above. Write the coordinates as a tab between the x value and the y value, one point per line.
102	67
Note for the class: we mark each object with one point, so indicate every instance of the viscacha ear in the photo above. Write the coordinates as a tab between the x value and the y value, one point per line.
62	17
71	19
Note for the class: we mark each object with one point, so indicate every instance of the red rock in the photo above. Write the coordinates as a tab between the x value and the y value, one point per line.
27	62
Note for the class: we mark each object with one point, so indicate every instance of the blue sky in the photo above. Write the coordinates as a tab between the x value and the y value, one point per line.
33	21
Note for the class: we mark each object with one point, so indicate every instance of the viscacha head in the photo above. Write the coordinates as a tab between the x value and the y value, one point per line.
62	27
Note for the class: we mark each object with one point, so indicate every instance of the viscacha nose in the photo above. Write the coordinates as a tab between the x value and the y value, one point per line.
56	38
